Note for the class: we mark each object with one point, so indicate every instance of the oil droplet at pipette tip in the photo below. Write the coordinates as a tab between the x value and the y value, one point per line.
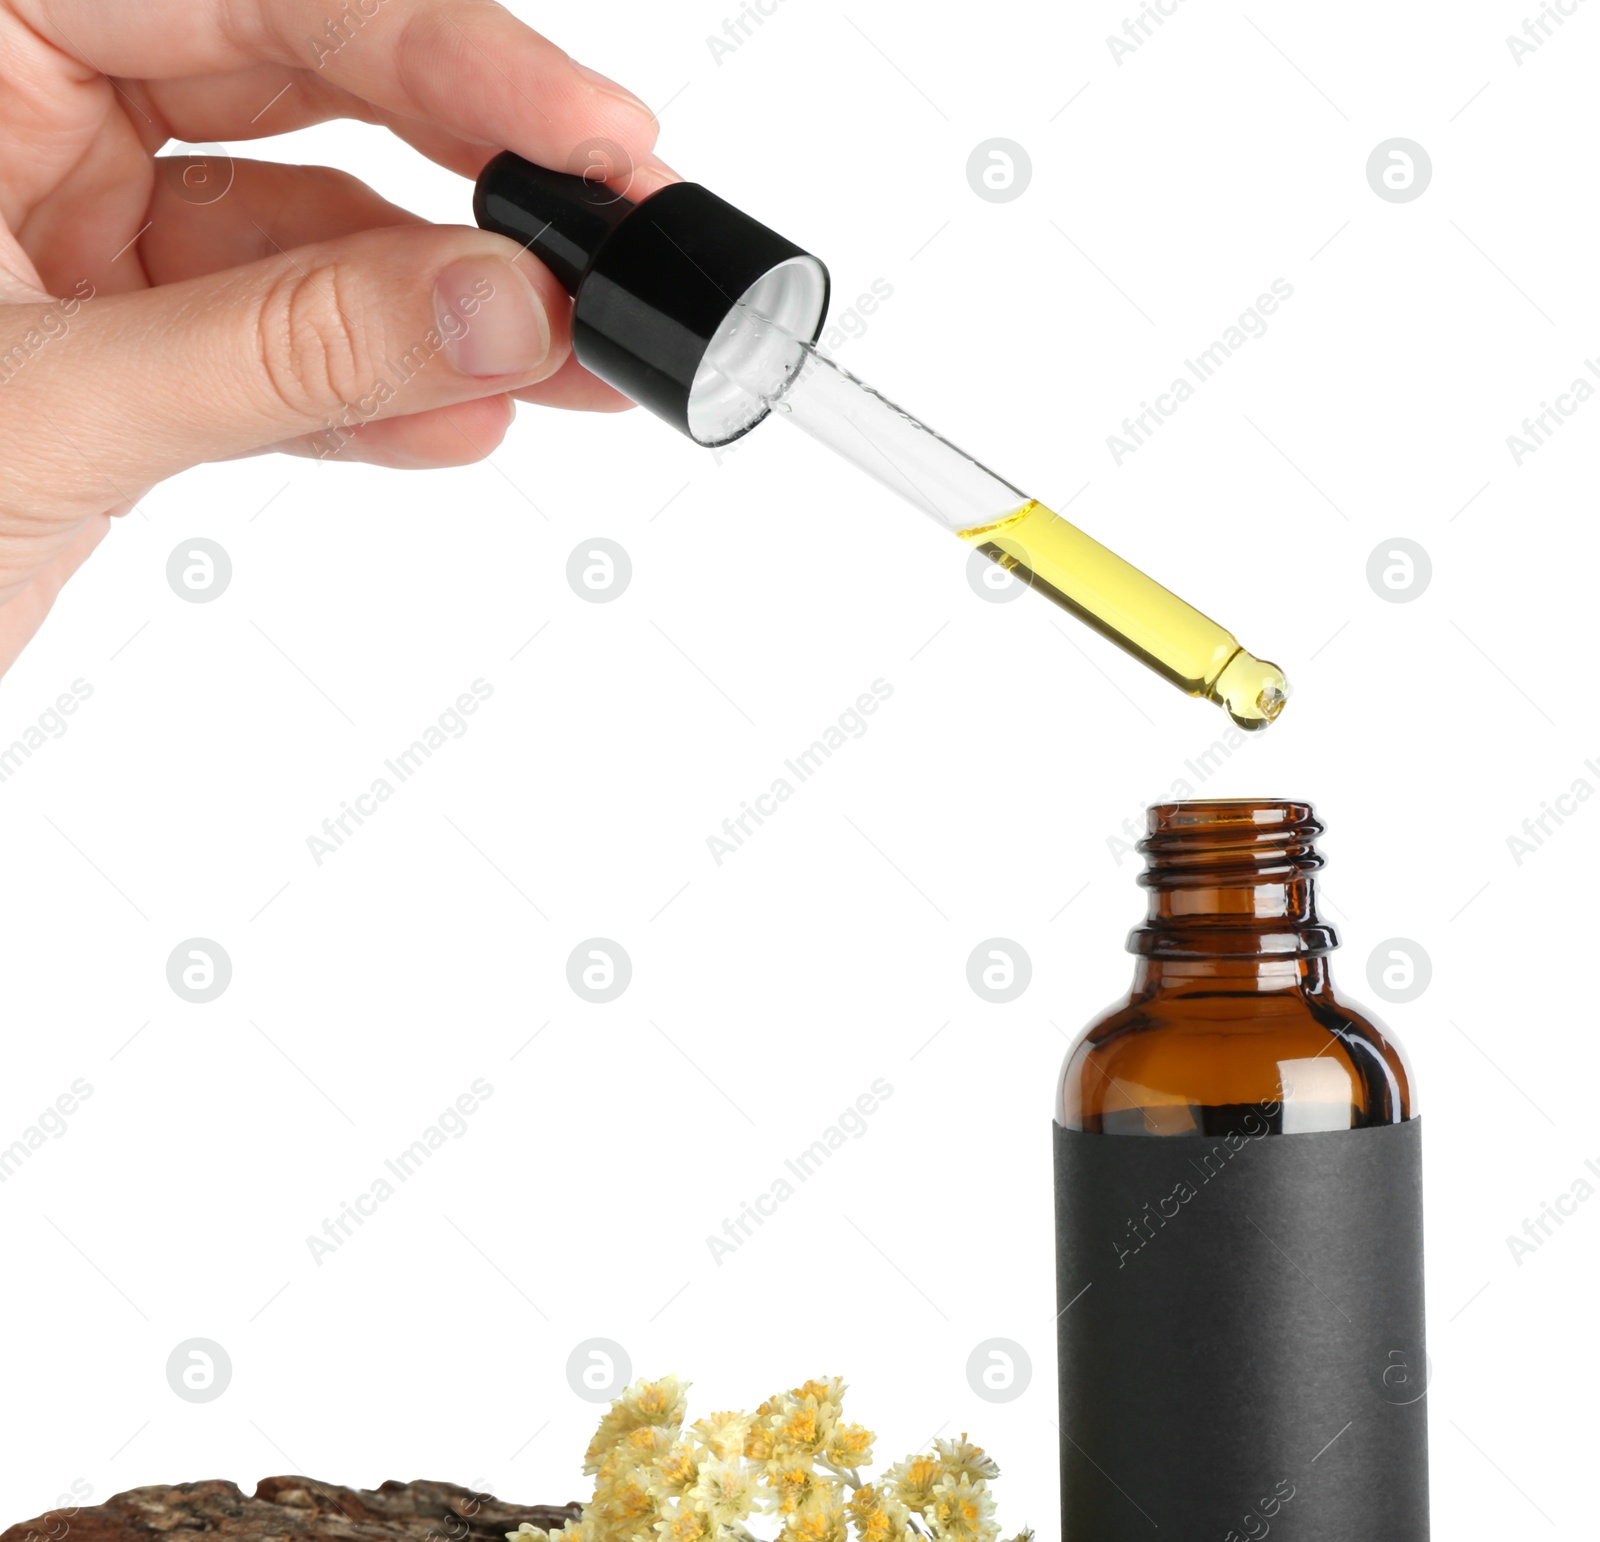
1251	691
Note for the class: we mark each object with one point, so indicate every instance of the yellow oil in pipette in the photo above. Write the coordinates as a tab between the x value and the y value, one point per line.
1134	611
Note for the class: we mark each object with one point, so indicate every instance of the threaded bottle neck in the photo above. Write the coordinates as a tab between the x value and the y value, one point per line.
1231	879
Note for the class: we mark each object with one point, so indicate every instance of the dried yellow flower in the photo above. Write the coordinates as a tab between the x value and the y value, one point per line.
797	1429
877	1517
962	1457
656	1482
791	1478
623	1505
758	1443
849	1446
676	1471
725	1492
913	1479
723	1434
644	1404
801	1424
829	1391
639	1448
820	1517
962	1510
678	1523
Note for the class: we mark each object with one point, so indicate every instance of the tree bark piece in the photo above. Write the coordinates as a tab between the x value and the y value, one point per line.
292	1509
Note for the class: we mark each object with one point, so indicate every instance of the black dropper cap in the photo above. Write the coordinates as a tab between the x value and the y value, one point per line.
654	285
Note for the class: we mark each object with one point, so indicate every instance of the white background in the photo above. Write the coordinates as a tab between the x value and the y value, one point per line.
768	591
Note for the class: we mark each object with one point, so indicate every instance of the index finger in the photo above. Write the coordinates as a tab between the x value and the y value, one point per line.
468	66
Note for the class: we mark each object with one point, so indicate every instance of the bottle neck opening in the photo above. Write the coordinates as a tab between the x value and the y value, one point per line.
1232	880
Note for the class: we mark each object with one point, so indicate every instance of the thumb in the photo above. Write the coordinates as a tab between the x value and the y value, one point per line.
135	387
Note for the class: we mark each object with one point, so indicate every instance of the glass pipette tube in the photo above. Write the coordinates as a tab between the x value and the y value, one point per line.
1017	532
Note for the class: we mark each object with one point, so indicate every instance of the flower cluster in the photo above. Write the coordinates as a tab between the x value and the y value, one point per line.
795	1461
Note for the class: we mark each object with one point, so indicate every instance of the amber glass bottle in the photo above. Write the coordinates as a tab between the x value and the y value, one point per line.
1239	1225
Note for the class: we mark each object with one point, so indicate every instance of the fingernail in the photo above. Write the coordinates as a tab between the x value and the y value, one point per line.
490	318
606	84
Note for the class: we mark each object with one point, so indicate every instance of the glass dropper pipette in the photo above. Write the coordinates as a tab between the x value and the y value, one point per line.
707	317
1183	646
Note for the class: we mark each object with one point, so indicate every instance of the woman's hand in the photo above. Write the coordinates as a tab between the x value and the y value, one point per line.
159	312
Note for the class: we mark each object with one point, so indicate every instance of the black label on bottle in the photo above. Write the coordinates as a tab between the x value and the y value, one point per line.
1241	1335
